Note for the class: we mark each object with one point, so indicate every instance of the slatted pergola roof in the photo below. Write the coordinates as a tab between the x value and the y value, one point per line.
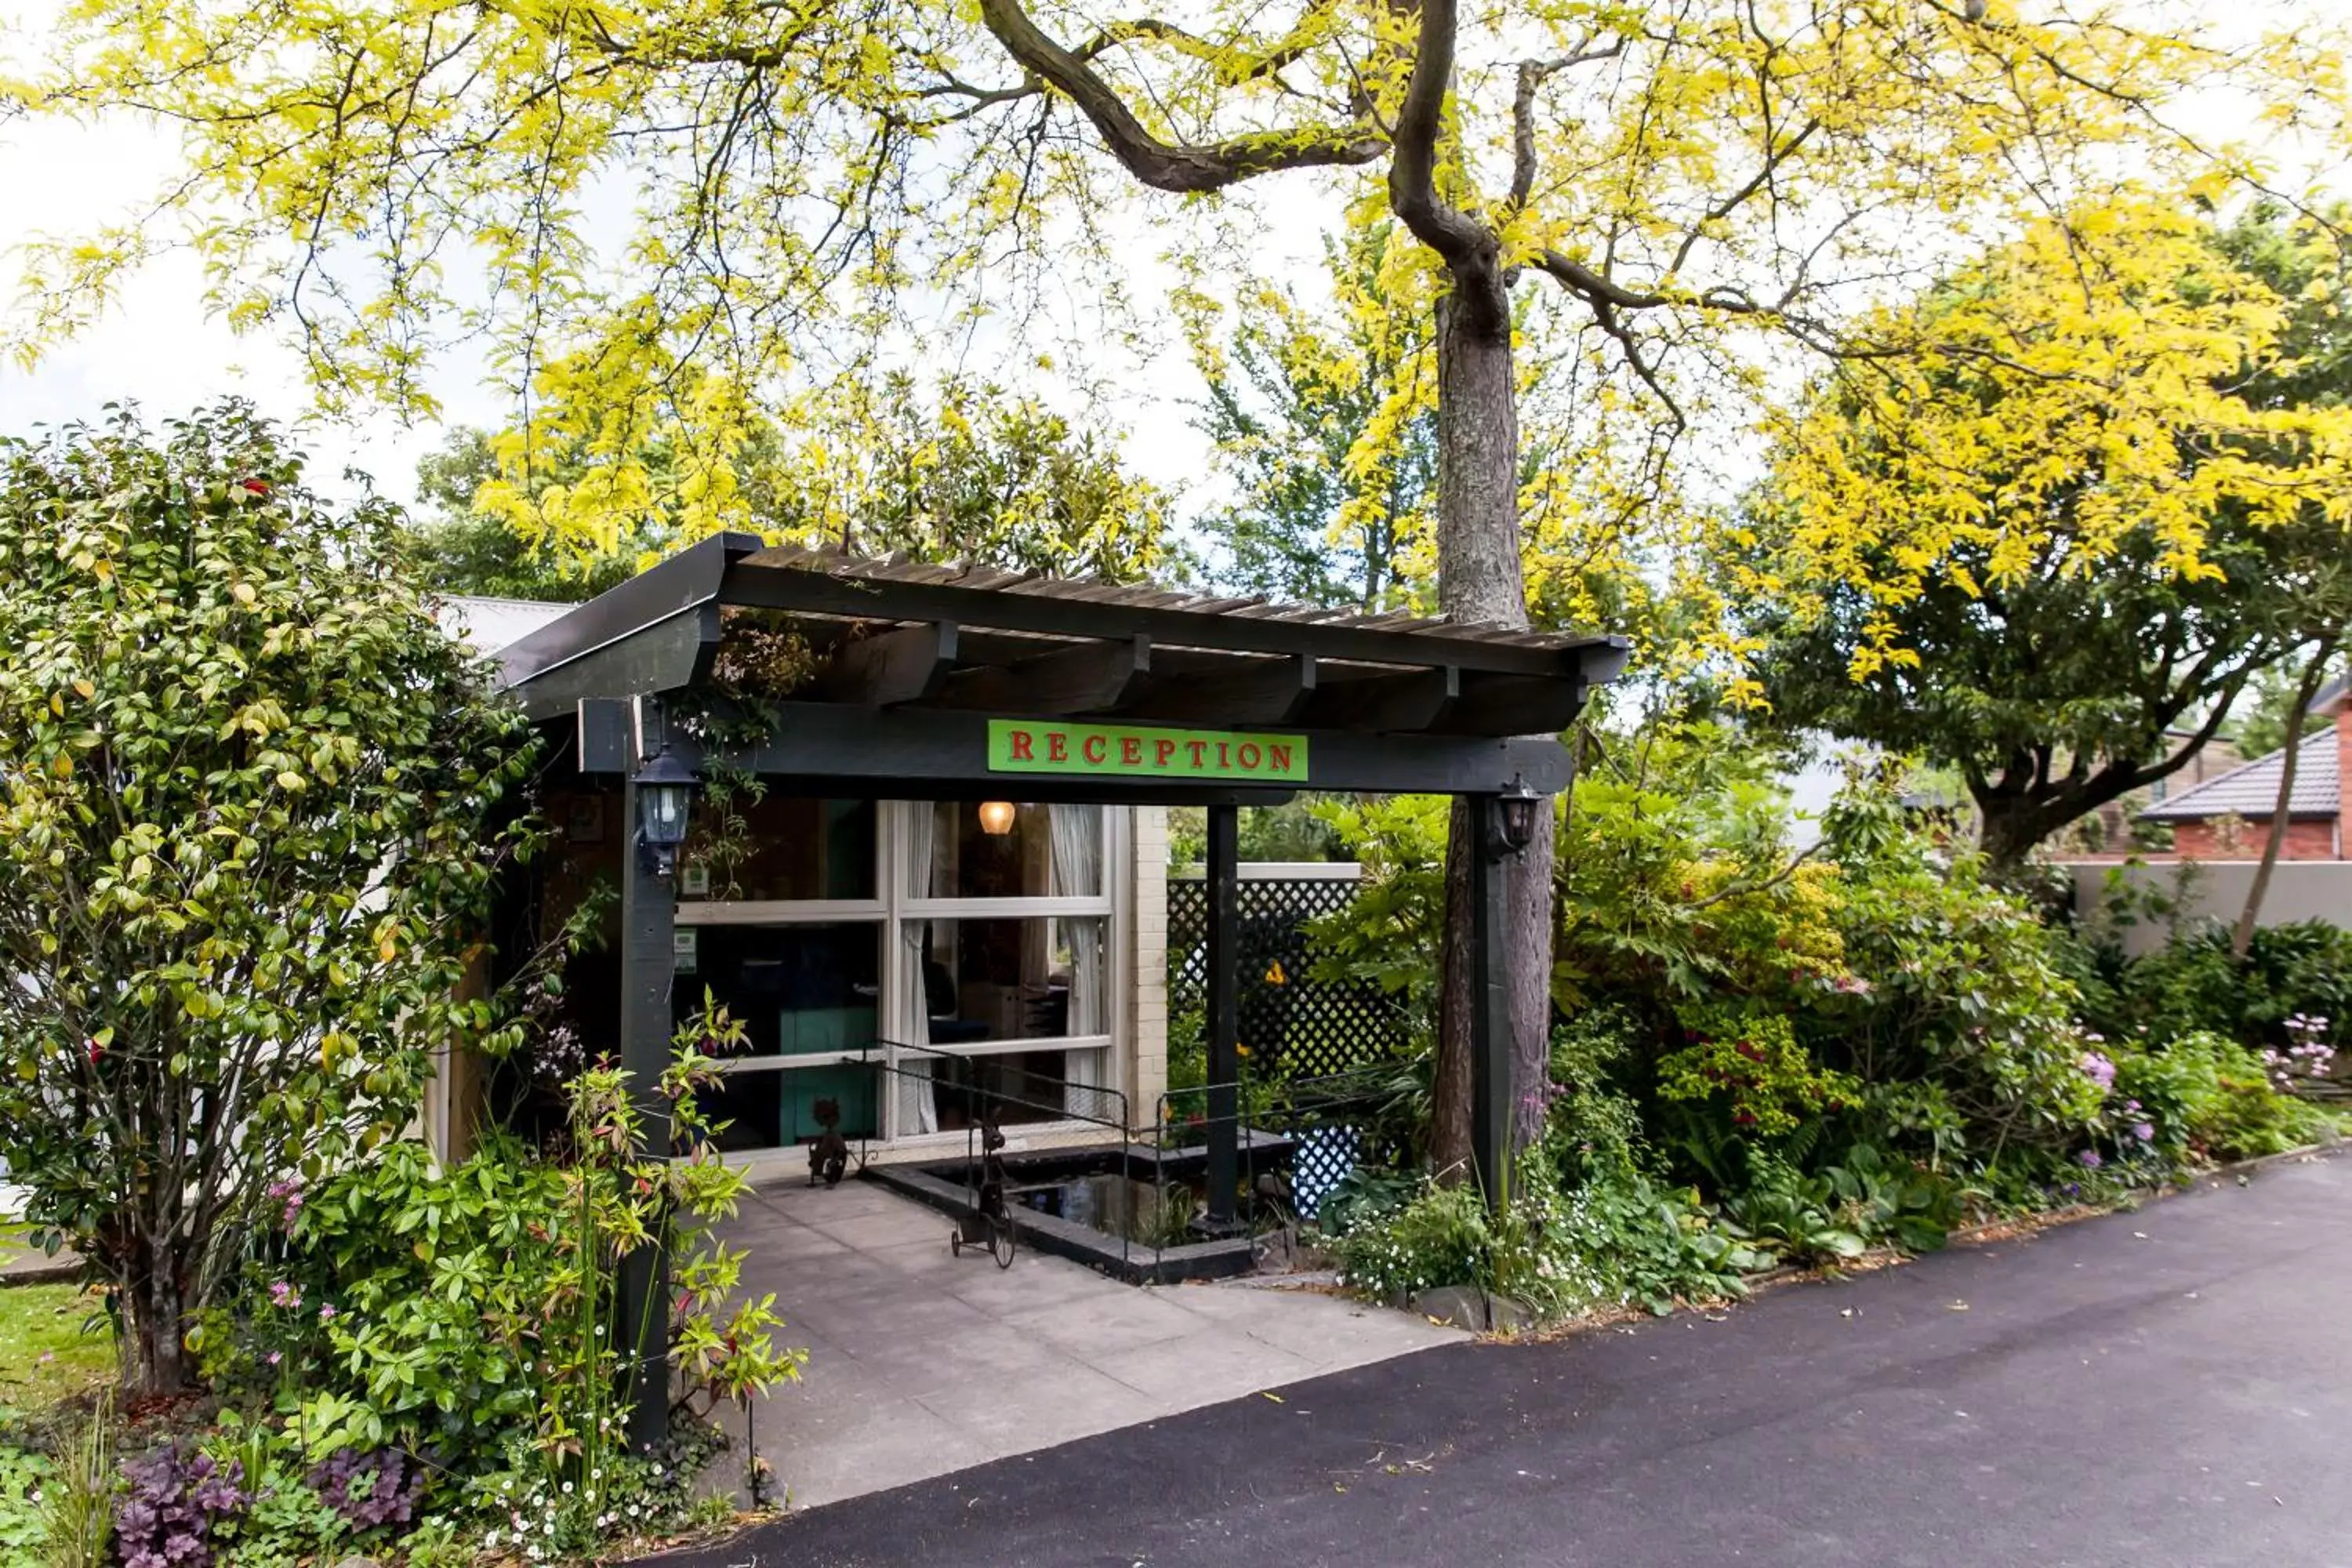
915	637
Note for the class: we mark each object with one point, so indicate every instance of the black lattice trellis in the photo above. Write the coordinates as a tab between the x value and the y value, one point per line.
1312	1029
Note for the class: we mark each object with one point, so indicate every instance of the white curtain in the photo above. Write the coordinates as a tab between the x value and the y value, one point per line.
1078	873
919	1107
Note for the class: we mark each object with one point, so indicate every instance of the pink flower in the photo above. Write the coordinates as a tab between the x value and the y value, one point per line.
326	1312
281	1294
275	1356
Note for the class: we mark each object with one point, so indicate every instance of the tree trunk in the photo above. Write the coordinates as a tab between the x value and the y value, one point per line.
2007	832
1478	579
2242	941
150	1291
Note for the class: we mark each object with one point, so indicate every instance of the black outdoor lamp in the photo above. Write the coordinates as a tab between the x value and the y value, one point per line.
1515	808
666	789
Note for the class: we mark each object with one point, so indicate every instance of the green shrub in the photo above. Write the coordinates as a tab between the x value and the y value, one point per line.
2193	983
23	1528
1619	1240
2202	1096
1752	1063
469	1316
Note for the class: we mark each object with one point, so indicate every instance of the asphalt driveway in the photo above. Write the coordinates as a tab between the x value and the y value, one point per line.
2168	1387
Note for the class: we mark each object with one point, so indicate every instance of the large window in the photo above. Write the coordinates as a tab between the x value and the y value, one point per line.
1004	938
983	959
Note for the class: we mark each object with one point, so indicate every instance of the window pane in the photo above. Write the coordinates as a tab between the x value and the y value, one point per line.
1048	852
779	1110
786	847
1035	979
794	989
1027	1086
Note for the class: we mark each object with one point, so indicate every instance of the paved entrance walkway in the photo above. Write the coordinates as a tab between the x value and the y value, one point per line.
921	1363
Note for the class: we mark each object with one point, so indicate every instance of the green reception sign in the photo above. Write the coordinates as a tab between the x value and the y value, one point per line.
1035	746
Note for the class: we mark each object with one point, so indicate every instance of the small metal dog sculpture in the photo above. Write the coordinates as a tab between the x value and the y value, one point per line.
829	1155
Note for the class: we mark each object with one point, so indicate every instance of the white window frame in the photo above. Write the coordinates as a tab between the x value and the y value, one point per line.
891	910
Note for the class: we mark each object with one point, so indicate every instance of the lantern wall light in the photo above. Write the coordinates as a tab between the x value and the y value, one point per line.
996	817
1514	811
665	788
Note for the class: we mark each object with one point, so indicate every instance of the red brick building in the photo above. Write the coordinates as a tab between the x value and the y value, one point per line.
2226	818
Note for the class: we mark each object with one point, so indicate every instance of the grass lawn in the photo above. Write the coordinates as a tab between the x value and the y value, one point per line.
49	1348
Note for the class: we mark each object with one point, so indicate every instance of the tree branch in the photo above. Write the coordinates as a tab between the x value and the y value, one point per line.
1168	166
1459	239
1532	75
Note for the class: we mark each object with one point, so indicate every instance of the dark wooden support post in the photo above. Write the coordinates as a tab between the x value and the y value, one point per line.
1490	1033
648	912
1224	1013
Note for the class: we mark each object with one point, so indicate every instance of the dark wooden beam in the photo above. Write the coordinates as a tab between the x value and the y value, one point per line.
1085	678
1054	614
1402	704
648	962
606	737
1270	691
1223	1020
670	654
904	666
689	579
1490	1013
919	753
1511	704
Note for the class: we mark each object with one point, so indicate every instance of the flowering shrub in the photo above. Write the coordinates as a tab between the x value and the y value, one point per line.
470	1316
2203	1097
2306	1061
1753	1062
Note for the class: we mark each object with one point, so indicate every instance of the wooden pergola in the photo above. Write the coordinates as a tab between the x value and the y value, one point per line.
958	682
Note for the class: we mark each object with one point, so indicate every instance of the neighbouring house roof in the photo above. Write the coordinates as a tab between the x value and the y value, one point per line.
489	624
2329	695
2251	791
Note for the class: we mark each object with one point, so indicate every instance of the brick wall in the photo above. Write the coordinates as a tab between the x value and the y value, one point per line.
2343	764
2306	840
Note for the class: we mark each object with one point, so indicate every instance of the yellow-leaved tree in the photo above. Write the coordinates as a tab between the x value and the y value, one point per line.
2051	547
1705	183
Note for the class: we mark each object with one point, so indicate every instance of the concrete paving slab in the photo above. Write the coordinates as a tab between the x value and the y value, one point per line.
1205	1367
922	1363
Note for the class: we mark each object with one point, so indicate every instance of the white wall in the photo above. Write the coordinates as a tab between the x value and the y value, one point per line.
2299	891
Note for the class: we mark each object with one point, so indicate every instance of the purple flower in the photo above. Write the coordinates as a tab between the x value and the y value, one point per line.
2099	1068
2089	1160
2145	1131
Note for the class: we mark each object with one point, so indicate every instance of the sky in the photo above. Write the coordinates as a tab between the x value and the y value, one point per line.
160	346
